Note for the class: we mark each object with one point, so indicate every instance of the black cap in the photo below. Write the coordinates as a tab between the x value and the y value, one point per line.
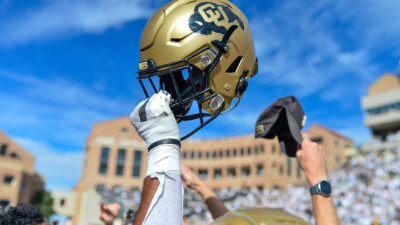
284	118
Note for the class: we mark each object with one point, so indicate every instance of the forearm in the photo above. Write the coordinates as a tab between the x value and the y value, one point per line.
324	209
216	207
149	189
213	203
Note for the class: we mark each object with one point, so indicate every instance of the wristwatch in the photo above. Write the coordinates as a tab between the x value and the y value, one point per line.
321	188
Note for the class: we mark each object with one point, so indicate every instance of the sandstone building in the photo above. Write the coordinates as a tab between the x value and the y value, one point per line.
382	105
19	182
115	156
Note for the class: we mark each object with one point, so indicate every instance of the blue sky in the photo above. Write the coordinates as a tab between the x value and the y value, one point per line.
66	64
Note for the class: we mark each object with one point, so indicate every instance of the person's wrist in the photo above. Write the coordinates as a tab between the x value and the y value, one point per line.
314	179
205	192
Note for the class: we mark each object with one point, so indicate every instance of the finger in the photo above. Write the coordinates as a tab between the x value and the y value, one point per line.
135	117
102	206
115	211
305	135
298	153
159	104
306	139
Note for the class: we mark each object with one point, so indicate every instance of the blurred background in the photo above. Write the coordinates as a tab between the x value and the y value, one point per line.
68	83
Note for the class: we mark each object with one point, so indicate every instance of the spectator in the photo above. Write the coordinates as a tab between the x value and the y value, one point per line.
22	215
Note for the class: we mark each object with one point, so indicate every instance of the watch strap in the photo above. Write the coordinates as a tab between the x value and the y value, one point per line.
314	189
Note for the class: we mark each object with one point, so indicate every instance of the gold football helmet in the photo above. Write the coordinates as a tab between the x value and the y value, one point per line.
259	216
199	50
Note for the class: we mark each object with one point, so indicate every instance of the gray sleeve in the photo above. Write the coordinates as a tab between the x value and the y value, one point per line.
167	203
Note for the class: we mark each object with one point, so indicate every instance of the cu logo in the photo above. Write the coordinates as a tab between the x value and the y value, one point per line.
209	17
212	13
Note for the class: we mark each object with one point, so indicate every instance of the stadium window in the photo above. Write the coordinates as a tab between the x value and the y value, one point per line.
137	161
231	172
245	171
22	187
336	143
234	152
184	154
8	180
298	170
199	155
104	160
249	151
203	174
4	203
280	169
289	166
256	150
337	158
124	130
273	148
241	151
117	188
120	162
62	202
100	187
262	149
317	140
217	174
207	155
14	155
214	154
3	149
228	152
221	154
192	154
260	169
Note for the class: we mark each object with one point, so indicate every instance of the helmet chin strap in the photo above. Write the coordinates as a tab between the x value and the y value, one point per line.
215	115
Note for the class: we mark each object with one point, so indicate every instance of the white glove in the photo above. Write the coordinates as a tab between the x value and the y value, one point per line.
154	120
156	124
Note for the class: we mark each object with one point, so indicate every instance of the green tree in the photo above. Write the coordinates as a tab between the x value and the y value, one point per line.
45	201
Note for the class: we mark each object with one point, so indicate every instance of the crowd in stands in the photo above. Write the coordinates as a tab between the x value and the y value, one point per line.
379	140
364	190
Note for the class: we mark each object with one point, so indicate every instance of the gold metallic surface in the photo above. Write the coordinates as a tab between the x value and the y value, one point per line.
143	65
227	87
167	38
259	216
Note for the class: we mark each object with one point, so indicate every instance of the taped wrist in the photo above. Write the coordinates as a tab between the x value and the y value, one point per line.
164	158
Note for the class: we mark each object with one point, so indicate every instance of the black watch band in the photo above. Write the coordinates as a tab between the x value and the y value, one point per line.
321	188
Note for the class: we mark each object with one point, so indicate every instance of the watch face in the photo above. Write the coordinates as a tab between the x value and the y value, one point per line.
325	187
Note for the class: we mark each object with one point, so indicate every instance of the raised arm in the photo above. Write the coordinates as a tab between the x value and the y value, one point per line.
311	157
162	189
214	204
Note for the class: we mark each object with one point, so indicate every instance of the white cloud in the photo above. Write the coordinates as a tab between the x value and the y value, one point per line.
309	47
55	166
51	119
66	17
62	111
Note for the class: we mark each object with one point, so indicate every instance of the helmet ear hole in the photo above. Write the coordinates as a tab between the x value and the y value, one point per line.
235	64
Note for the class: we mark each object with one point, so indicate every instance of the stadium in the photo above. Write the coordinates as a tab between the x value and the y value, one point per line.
199	112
